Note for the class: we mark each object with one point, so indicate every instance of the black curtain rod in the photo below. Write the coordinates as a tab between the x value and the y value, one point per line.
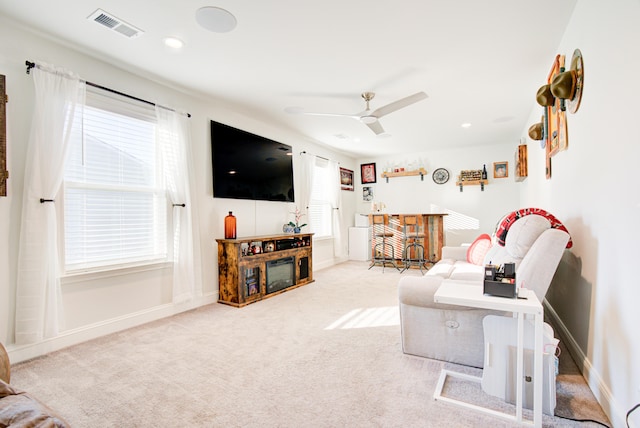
305	153
31	65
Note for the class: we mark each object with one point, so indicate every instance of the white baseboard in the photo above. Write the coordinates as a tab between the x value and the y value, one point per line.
329	263
19	353
599	388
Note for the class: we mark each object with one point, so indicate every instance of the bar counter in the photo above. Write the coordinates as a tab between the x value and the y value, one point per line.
433	227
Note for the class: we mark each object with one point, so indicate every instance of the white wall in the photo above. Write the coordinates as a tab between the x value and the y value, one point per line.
95	306
478	210
594	191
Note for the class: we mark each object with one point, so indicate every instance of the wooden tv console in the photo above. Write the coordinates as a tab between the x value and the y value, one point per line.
244	275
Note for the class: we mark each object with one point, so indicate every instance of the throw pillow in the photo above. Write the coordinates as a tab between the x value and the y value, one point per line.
478	249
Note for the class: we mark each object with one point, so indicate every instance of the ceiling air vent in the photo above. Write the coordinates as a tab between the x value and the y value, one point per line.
115	24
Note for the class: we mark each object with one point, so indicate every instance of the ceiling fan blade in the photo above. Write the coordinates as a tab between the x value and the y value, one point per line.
376	127
397	105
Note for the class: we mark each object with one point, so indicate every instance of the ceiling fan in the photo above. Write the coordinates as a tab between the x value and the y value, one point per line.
368	117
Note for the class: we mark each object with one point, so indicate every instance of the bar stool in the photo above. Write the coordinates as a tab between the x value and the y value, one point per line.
413	235
380	230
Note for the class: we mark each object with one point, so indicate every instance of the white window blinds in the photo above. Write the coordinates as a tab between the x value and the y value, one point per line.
115	208
320	202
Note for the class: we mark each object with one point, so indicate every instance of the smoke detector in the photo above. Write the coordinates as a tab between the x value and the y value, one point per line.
116	24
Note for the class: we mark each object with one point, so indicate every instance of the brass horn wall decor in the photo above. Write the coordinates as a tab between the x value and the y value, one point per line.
567	85
562	92
536	131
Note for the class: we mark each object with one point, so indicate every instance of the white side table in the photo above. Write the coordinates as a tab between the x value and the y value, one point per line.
456	293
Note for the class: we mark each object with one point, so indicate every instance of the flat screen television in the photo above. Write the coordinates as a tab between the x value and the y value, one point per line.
248	166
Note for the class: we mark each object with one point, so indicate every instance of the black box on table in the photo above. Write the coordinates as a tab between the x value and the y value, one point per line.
500	282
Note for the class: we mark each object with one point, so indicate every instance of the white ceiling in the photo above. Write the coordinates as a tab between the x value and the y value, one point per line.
479	62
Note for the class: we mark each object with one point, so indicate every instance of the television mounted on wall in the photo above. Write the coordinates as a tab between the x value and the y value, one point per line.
249	166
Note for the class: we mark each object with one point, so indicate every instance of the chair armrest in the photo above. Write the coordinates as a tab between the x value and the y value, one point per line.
419	291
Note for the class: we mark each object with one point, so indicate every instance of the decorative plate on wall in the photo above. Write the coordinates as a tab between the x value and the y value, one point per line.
440	176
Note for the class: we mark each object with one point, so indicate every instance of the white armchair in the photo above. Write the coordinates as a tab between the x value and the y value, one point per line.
454	333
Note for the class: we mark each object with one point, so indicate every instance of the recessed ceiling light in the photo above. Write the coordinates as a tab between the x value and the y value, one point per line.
466	125
173	42
216	19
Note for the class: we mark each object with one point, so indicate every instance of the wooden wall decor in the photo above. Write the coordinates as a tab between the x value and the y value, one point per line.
4	174
556	116
522	167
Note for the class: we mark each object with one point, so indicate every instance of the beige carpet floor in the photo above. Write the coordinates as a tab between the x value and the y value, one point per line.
324	355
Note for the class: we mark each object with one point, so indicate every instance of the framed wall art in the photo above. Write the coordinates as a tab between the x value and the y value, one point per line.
368	173
346	179
367	194
500	169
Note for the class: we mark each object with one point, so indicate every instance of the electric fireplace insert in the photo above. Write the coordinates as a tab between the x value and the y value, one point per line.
280	274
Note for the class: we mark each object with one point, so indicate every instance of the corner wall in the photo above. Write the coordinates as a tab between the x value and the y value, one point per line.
470	212
593	190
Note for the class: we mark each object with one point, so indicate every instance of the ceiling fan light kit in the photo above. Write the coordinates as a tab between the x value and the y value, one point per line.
368	119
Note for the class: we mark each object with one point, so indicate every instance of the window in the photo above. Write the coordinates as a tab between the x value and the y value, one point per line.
115	208
320	203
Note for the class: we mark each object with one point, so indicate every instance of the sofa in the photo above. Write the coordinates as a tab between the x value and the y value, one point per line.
534	242
18	408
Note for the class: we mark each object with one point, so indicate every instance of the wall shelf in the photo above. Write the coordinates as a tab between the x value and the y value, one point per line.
480	183
420	171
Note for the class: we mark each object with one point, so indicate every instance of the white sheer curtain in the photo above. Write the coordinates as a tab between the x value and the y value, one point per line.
336	207
59	98
173	135
308	170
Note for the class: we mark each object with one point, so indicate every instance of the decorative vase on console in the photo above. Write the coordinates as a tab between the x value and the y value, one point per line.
287	228
230	226
297	226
